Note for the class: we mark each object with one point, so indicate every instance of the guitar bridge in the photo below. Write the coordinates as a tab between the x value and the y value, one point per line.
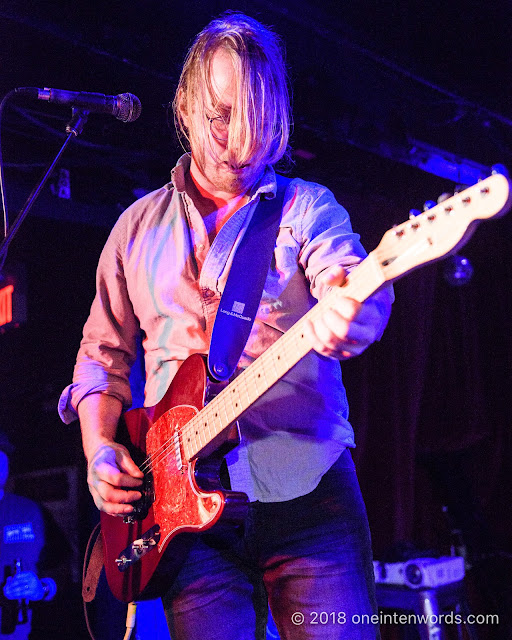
138	548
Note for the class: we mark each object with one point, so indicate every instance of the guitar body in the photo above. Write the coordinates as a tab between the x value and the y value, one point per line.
142	556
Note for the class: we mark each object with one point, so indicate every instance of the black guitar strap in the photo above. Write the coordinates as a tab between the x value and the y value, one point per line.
244	287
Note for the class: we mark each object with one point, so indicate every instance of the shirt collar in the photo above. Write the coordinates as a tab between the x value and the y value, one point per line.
266	186
178	173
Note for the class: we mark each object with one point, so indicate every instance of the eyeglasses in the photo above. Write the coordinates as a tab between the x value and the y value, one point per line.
219	127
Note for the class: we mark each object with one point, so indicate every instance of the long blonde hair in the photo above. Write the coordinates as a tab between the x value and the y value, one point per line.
260	116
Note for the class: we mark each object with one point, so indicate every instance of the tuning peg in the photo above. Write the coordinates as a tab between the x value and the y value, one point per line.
444	196
428	205
413	213
501	169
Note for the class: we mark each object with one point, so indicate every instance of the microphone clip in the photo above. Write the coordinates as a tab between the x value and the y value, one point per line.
78	121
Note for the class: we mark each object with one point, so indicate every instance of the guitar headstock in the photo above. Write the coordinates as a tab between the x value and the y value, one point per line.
441	230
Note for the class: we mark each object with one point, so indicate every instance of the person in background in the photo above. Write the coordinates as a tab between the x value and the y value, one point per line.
22	539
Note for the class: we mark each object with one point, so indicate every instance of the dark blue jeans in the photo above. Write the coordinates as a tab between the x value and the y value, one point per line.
309	558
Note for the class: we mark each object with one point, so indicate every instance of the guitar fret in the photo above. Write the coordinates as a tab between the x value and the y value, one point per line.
242	393
211	426
251	381
185	440
255	382
265	379
293	344
189	439
242	403
272	373
280	365
195	438
246	389
221	413
235	400
215	418
272	362
250	388
202	428
224	406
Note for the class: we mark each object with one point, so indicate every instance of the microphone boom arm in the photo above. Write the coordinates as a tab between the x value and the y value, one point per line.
73	129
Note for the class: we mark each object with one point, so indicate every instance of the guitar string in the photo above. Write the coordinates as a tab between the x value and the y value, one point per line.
357	277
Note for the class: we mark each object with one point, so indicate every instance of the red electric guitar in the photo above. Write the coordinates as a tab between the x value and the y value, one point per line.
179	444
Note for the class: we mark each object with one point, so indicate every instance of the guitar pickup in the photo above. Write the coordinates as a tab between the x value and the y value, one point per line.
138	548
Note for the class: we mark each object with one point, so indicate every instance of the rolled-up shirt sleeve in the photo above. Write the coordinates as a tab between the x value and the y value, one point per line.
328	241
108	347
326	237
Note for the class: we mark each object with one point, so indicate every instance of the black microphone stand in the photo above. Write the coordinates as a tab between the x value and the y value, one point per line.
74	128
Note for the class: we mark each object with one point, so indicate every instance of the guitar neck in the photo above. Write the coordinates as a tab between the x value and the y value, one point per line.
420	240
274	363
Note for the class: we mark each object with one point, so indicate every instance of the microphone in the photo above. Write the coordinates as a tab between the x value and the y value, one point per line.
125	106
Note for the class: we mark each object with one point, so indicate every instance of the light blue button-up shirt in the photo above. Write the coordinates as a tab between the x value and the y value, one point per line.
159	274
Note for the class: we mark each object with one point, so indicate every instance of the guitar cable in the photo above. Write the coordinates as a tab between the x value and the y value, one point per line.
131	613
90	543
131	616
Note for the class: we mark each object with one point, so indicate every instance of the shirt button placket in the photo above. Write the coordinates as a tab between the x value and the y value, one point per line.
208	293
209	308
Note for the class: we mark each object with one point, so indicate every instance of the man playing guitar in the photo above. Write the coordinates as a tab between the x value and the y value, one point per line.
304	545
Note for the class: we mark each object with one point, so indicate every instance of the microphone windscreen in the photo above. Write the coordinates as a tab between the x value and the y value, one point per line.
128	107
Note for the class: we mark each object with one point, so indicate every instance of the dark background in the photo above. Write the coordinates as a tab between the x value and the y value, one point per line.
378	88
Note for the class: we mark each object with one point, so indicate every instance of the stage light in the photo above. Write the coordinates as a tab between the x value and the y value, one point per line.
458	271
